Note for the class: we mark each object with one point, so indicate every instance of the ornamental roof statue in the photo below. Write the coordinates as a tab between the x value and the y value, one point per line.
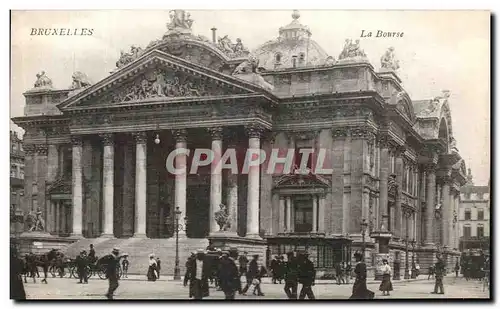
352	52
388	61
180	22
43	81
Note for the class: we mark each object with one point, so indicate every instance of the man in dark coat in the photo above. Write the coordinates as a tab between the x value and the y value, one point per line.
188	264
253	271
16	282
338	273
92	256
199	272
229	274
274	269
112	264
307	276
439	272
81	266
291	276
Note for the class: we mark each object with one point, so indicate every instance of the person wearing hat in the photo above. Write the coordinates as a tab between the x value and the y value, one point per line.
291	276
228	274
243	261
189	261
112	265
253	273
439	272
386	284
152	268
199	272
125	265
81	266
307	275
359	289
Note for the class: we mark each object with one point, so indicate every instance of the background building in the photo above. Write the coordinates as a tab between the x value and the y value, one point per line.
16	175
474	216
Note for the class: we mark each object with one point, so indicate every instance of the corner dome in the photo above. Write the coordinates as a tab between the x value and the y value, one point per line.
293	48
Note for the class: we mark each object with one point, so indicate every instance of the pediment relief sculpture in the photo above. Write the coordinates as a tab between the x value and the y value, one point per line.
161	82
301	180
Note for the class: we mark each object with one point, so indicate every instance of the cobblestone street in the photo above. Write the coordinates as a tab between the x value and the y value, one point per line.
138	288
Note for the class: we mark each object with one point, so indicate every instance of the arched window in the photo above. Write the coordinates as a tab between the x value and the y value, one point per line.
277	57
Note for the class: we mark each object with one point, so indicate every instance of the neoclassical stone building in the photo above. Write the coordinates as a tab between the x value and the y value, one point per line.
95	153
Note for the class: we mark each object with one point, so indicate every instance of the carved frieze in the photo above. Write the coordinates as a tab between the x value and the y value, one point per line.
305	135
56	131
165	83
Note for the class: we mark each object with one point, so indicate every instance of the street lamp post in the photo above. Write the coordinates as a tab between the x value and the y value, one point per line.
363	232
177	270
413	269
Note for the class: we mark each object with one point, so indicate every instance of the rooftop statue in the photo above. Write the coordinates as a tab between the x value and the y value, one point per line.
42	81
232	50
388	60
179	19
80	80
351	50
126	58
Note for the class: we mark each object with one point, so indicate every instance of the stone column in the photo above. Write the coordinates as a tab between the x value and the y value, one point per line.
232	202
254	133
445	210
282	214
429	212
77	186
181	179
384	177
289	214
215	177
398	215
315	214
108	183
140	184
57	215
321	214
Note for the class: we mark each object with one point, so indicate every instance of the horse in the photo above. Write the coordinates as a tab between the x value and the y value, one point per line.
44	260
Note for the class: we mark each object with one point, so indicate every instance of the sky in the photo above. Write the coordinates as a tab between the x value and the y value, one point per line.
439	50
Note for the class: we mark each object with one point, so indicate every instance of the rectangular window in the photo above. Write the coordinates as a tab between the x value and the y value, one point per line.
480	214
13	171
480	230
467	231
467	214
303	216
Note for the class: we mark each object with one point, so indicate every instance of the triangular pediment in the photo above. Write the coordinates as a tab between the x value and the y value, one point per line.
301	180
159	76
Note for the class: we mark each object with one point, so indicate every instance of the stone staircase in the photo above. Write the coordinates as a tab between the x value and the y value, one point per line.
139	250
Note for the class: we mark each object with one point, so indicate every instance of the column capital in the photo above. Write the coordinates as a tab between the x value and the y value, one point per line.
254	130
107	139
29	149
140	137
41	149
340	132
180	135
216	132
384	140
399	150
361	132
76	140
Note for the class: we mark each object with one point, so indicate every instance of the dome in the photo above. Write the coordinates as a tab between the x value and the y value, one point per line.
293	48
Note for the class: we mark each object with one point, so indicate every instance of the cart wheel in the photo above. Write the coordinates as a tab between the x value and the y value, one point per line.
102	273
73	273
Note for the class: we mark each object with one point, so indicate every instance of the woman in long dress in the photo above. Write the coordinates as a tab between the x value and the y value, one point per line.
386	284
152	268
359	289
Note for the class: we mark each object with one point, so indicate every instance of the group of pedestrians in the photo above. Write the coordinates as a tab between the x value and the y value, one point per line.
154	268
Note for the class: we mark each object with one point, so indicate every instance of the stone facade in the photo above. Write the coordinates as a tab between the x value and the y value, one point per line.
96	164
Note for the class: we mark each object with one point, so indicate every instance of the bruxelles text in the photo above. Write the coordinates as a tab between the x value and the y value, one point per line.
274	161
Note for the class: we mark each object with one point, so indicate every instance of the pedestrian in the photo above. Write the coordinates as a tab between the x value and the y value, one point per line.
457	268
229	274
281	268
112	264
198	276
386	284
91	255
17	291
125	264
417	271
359	289
431	272
257	280
188	264
307	276
291	276
338	273
274	269
253	269
348	272
152	268
81	267
439	272
243	261
158	267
